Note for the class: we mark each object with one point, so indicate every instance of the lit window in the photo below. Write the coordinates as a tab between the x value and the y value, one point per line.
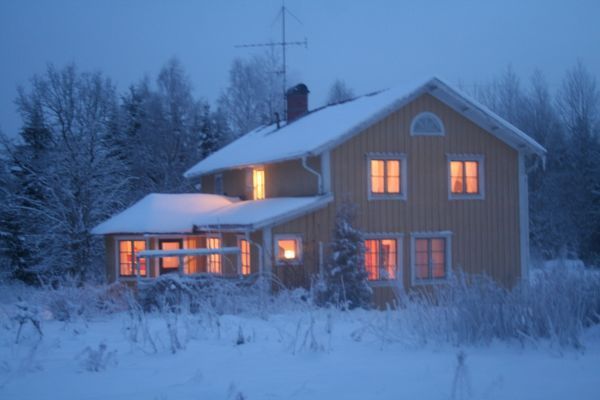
427	124
214	260
258	183
169	264
465	177
127	257
430	258
289	250
381	259
219	184
244	256
386	177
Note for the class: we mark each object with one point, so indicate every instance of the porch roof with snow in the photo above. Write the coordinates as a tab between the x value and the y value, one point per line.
196	212
325	128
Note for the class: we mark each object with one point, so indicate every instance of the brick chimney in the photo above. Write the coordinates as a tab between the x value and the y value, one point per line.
297	101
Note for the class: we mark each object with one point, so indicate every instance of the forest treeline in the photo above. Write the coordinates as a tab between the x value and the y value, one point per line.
87	150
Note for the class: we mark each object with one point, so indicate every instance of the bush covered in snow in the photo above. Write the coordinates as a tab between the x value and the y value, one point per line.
557	305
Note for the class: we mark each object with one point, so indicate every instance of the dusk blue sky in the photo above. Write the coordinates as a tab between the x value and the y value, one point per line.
370	44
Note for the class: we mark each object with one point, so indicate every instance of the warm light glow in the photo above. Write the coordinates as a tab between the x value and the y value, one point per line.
464	177
377	176
289	254
258	183
385	176
127	257
214	260
381	259
393	176
244	257
288	249
170	262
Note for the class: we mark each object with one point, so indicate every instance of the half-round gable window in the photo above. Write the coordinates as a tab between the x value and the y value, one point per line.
427	123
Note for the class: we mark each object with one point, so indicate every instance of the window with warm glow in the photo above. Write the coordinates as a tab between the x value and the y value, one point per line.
244	256
258	183
127	257
385	178
430	258
381	259
214	260
464	177
169	264
289	250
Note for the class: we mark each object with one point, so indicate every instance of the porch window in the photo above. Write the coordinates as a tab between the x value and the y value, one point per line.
381	259
258	183
169	264
244	256
466	177
288	249
214	260
430	258
127	255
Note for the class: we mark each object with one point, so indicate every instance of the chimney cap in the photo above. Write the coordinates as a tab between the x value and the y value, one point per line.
300	88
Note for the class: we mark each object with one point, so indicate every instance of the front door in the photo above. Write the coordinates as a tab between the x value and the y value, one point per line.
169	264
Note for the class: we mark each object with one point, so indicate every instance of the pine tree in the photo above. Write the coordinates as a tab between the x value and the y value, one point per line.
346	278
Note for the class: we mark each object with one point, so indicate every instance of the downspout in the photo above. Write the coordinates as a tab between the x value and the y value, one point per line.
319	177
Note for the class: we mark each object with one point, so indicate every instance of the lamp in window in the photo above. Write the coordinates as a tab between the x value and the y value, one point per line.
287	250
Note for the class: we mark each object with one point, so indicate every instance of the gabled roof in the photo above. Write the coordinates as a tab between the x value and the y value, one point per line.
326	128
186	213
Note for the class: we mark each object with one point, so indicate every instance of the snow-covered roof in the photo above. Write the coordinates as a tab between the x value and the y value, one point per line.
325	128
186	213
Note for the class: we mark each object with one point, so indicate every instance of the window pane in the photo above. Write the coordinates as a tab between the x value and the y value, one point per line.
393	176
472	176
125	258
214	260
377	176
421	245
287	250
371	259
170	262
140	245
389	258
438	244
258	183
245	256
421	271
456	176
439	271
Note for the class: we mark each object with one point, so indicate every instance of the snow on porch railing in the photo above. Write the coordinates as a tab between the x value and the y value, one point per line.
180	253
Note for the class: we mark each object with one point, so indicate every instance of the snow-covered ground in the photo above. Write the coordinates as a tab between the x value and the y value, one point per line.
281	357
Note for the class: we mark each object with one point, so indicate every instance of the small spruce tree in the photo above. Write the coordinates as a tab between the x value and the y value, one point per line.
346	277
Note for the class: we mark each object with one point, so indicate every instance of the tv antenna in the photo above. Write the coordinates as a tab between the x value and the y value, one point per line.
284	44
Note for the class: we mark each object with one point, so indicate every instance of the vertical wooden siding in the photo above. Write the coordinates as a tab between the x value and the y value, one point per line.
283	179
485	233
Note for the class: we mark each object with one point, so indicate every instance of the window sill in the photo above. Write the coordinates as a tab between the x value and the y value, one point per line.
466	197
376	197
288	263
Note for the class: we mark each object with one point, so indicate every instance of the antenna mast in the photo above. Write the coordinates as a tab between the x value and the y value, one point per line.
284	44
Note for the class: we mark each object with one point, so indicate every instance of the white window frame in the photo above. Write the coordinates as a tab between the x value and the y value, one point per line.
149	265
254	185
480	175
399	237
447	235
299	248
214	236
239	245
426	114
403	176
219	188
